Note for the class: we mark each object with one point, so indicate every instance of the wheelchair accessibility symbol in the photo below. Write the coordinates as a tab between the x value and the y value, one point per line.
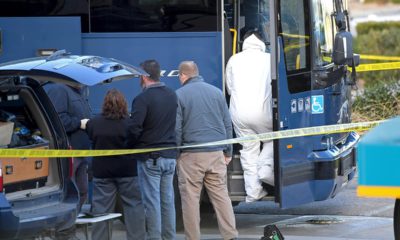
317	104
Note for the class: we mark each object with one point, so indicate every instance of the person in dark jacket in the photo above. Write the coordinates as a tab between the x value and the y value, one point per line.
202	117
152	125
115	174
74	111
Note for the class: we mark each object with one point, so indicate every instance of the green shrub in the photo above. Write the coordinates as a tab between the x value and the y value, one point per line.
364	28
381	1
378	38
378	102
376	1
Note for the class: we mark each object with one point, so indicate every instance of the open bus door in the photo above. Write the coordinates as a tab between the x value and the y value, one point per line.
310	88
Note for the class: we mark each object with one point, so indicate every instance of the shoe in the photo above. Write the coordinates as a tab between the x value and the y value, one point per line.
269	188
259	197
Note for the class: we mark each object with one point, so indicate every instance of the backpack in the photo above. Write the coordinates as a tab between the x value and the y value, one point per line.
271	232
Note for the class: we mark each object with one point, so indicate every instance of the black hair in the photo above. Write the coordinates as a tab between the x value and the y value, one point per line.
152	68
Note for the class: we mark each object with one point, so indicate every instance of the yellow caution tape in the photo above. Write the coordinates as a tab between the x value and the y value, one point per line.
295	46
295	36
377	57
300	132
378	66
374	66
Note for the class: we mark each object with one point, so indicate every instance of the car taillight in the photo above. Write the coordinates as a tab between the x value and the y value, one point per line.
1	178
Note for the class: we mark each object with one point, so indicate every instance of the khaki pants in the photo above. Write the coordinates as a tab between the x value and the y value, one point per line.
194	169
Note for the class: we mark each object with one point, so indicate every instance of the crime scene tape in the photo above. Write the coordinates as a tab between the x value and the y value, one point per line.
300	132
378	66
378	57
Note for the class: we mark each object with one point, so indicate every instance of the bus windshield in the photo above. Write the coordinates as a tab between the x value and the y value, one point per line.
323	31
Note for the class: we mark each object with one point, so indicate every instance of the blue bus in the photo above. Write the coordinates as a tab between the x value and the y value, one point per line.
311	55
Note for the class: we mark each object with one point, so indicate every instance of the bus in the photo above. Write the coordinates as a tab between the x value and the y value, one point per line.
311	59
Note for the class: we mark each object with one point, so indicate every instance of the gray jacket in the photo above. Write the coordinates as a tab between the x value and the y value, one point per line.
202	116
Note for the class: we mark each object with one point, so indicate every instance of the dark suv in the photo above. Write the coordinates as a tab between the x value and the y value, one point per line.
37	194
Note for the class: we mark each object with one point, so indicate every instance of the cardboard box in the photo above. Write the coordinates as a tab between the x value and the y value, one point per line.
6	131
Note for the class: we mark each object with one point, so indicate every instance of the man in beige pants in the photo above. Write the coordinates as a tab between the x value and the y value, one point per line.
203	116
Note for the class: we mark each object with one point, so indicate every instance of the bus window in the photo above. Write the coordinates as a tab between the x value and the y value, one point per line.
46	8
249	20
254	14
324	31
155	16
295	32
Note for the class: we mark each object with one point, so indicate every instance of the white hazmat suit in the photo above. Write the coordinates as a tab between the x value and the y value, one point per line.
248	79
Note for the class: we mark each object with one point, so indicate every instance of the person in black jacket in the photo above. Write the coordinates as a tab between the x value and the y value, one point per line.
152	125
74	111
115	174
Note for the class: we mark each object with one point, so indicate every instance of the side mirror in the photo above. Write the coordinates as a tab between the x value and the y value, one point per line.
356	60
343	48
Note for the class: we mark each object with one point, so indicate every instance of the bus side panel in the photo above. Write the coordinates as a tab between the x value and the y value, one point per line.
202	47
22	37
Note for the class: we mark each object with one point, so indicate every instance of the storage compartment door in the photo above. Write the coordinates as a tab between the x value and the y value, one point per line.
22	38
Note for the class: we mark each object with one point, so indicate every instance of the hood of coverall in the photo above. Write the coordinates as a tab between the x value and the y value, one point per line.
252	42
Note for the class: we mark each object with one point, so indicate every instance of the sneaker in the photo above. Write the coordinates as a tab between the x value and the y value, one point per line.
262	194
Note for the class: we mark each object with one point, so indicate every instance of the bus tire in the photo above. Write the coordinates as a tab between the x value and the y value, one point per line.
396	220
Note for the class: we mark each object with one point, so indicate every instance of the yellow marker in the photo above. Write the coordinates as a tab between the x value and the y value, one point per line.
378	191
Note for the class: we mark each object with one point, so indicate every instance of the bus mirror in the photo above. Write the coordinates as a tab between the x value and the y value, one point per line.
356	60
343	48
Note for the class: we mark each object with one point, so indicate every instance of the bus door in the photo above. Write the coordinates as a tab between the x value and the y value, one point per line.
292	107
38	36
309	90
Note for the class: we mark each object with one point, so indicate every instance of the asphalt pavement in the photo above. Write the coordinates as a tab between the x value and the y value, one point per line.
345	217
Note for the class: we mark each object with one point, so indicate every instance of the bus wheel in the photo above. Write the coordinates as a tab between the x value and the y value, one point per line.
396	220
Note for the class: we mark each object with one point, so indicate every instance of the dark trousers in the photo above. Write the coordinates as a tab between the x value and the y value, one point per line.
80	178
104	198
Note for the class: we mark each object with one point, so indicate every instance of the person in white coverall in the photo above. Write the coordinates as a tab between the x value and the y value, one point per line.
248	79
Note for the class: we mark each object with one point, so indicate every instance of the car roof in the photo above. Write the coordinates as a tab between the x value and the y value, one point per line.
71	69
